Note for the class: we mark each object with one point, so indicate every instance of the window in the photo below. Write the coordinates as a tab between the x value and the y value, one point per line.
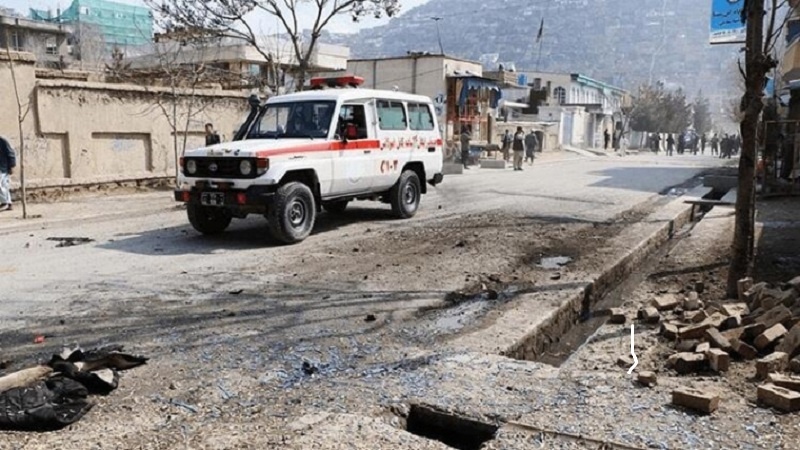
391	115
420	117
50	46
17	41
352	122
560	94
310	119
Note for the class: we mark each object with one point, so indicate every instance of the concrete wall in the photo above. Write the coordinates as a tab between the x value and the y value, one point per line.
85	133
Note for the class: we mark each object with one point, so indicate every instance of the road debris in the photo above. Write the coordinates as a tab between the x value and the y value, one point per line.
70	241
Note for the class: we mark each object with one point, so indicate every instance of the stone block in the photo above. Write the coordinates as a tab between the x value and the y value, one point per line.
694	316
687	345
616	316
686	363
649	315
702	401
669	330
702	347
734	321
665	303
717	319
717	340
776	315
779	398
776	362
692	304
625	361
733	333
791	343
770	337
753	295
787	382
735	309
696	331
718	360
795	283
743	349
647	378
493	164
753	331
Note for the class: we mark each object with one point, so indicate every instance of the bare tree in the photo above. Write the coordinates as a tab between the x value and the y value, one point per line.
22	113
89	46
759	47
229	18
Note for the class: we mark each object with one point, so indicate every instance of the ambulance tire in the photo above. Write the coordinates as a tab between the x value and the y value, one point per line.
405	195
208	220
292	214
335	207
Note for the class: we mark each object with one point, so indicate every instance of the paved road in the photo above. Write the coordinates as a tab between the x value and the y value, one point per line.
241	306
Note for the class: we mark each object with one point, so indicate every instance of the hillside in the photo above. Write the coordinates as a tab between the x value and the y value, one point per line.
626	42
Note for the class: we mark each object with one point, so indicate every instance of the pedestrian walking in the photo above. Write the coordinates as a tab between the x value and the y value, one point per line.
518	145
506	141
212	137
714	144
531	146
703	144
606	139
8	161
670	144
465	137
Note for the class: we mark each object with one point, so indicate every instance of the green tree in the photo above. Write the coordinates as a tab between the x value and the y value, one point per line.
657	109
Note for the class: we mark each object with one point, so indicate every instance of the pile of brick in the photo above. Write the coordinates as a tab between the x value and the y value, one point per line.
764	325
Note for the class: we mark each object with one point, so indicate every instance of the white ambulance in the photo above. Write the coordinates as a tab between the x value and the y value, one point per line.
320	149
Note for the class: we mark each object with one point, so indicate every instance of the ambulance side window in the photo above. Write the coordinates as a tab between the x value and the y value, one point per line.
420	117
353	122
391	115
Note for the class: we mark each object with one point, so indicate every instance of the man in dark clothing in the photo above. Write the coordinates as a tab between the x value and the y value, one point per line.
714	144
465	137
506	141
518	145
8	161
531	146
212	138
703	144
606	139
670	144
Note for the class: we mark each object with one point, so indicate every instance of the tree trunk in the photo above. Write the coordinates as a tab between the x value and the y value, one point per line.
20	119
756	68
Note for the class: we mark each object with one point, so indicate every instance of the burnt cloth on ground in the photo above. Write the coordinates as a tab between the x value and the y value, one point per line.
47	405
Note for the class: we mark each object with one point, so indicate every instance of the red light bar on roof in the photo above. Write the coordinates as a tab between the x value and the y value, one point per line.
333	82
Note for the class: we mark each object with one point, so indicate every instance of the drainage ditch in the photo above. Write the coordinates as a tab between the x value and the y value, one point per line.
455	431
555	344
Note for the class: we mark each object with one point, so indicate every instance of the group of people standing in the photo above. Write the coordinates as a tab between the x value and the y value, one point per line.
724	147
524	146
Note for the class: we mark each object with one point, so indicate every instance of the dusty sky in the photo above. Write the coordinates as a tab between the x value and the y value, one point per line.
342	24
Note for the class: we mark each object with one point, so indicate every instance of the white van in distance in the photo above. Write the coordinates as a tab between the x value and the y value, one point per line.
300	153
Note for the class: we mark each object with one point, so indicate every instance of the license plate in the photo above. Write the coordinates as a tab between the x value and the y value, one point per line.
212	199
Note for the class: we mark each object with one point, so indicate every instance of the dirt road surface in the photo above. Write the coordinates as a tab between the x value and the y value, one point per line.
317	345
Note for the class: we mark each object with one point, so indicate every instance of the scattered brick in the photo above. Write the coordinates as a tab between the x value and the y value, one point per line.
734	321
791	343
770	337
647	378
753	295
795	283
699	287
774	316
685	363
695	331
777	397
617	316
705	402
686	346
786	382
776	362
743	350
665	303
691	304
669	331
702	347
744	285
735	309
717	340
649	315
717	319
753	331
625	361
794	365
733	333
718	360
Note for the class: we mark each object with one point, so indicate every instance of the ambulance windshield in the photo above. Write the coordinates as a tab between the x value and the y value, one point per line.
307	119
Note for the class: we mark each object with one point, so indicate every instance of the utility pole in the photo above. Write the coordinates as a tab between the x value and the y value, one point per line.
757	65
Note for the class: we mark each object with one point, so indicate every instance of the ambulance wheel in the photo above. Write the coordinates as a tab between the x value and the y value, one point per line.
336	207
208	220
405	195
292	213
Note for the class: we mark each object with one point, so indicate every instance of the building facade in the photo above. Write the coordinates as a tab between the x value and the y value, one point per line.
47	41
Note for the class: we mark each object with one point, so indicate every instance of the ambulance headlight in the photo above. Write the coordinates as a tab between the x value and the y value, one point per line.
191	167
246	167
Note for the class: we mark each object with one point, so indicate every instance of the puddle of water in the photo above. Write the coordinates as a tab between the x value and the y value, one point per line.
554	262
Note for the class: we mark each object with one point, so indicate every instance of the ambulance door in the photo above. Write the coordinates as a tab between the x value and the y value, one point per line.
357	146
395	142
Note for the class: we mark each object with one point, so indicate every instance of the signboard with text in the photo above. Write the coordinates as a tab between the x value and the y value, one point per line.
726	22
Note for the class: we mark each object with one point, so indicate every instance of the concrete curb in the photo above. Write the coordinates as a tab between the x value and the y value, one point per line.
534	342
